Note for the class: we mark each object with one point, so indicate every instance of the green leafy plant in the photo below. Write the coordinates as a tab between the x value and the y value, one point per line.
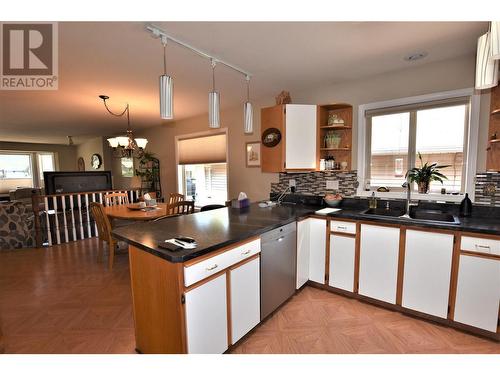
425	174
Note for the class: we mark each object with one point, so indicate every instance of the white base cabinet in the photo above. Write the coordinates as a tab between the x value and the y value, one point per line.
478	292
311	251
378	262
206	317
341	267
303	250
245	298
427	271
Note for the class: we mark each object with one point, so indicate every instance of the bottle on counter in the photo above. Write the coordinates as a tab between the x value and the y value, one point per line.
466	206
372	201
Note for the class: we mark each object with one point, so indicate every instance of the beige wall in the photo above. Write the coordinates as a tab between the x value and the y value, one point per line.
86	149
65	155
424	79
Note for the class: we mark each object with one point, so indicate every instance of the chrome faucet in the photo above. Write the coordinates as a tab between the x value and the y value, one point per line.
407	185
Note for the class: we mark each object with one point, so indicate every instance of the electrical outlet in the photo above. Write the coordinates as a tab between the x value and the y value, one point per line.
332	184
291	183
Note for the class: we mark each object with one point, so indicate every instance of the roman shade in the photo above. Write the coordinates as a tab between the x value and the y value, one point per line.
418	106
202	150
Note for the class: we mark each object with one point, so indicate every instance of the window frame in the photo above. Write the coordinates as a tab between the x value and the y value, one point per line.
470	149
180	172
36	177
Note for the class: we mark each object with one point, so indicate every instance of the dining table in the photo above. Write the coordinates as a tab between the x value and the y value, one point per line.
130	212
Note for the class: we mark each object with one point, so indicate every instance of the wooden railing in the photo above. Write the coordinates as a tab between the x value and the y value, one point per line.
61	218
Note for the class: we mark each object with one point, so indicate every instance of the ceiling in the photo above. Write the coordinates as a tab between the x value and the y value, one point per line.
122	60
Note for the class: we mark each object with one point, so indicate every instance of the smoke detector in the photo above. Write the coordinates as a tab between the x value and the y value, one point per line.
415	56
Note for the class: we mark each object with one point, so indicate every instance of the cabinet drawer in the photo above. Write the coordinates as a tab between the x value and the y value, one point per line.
217	263
343	227
480	245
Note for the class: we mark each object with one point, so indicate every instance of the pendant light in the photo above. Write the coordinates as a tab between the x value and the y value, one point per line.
213	103
486	67
248	111
495	40
166	88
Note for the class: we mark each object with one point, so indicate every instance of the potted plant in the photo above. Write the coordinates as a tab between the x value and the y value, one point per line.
425	174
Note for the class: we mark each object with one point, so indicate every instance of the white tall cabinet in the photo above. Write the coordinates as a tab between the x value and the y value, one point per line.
206	317
478	292
311	251
300	136
378	262
427	271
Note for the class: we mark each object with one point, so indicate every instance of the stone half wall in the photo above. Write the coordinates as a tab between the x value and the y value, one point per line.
314	183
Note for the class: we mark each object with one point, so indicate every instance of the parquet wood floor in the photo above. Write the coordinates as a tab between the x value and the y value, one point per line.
60	300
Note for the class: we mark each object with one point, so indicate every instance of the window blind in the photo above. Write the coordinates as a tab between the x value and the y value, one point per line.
202	150
417	106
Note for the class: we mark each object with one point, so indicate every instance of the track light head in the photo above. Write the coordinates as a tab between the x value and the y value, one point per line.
104	97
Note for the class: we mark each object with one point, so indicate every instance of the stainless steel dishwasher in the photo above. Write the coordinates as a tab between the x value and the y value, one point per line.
278	267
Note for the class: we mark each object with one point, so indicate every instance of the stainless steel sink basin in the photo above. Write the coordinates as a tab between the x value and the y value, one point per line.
434	216
431	216
383	212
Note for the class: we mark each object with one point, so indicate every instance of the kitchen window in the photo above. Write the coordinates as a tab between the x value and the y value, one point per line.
202	168
442	128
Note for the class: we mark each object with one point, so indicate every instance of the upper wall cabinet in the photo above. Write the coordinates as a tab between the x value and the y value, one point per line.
493	148
296	127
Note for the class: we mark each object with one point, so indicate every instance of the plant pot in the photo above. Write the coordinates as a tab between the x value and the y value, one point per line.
423	187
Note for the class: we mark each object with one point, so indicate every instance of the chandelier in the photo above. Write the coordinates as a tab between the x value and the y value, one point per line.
125	146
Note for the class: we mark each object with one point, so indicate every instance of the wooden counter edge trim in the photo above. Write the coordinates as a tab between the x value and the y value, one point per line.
357	254
327	253
342	234
157	307
479	255
455	262
224	249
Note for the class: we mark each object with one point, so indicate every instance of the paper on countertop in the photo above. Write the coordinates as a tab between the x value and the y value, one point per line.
184	245
242	196
326	211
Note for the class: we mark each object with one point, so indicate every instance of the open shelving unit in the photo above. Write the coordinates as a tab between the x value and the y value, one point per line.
493	148
343	151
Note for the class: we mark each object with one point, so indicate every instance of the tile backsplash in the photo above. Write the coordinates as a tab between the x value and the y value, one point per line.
488	189
314	183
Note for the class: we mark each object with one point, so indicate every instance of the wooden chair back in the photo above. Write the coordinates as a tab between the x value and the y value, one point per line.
182	208
103	230
175	197
114	199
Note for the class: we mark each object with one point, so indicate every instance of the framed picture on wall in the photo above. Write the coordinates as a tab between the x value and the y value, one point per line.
127	166
252	154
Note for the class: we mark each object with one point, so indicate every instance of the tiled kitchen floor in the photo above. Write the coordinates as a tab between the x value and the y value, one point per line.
60	300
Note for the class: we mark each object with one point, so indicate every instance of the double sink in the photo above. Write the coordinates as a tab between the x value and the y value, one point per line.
431	216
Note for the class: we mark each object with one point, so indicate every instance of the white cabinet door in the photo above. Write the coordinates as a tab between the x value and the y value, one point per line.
303	246
478	292
341	268
317	254
206	317
378	263
245	298
300	136
427	270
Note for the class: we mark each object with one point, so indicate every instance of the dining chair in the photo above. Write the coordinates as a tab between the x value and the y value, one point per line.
104	232
172	199
114	199
182	208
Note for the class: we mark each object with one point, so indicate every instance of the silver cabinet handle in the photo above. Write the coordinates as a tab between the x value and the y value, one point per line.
245	252
482	247
340	227
211	267
280	239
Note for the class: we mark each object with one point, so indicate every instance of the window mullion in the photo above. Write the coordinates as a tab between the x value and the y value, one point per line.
412	140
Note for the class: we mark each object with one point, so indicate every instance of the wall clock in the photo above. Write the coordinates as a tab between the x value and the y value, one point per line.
271	137
96	161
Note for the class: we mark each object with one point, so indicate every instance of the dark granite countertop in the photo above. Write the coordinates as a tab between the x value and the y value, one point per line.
211	229
218	228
